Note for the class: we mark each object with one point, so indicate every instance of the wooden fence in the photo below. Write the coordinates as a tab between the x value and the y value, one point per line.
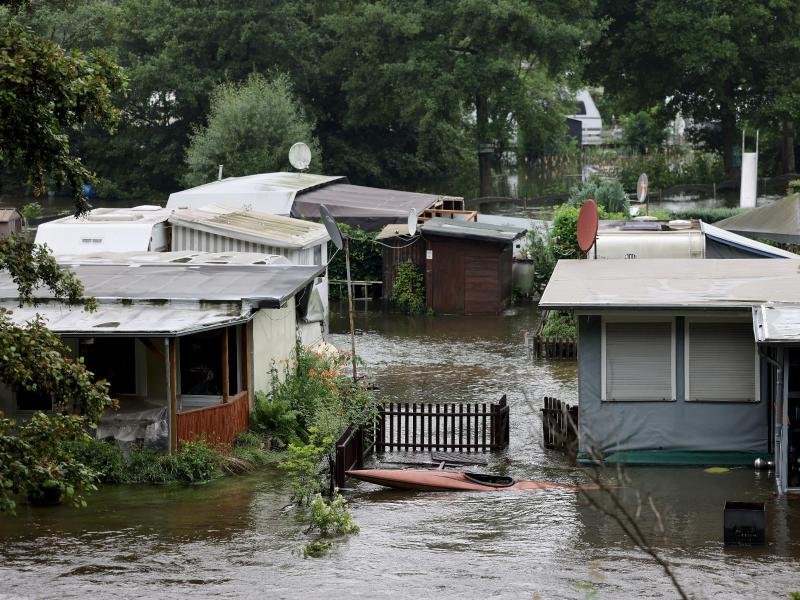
443	426
554	348
559	425
219	424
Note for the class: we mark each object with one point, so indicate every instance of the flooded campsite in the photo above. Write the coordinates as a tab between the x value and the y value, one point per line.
232	537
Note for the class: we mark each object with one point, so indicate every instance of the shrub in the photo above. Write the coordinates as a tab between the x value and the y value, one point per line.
709	215
408	292
560	325
366	259
274	418
607	192
540	251
302	466
102	457
642	131
194	462
794	186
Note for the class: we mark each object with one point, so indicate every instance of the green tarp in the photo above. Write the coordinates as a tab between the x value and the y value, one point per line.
779	221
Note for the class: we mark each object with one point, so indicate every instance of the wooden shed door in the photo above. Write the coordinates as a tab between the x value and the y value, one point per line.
481	285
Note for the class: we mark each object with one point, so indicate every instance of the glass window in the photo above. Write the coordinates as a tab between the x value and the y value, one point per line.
580	108
201	363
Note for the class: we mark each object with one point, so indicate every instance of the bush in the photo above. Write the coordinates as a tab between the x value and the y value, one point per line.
274	418
642	131
366	260
540	251
104	458
560	325
194	462
709	215
608	193
408	292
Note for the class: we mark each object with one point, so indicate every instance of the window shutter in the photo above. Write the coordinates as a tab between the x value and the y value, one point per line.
721	362
638	361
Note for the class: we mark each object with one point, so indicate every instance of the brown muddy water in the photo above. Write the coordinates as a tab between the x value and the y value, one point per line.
235	538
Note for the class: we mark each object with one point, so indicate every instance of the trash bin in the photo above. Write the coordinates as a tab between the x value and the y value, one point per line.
744	523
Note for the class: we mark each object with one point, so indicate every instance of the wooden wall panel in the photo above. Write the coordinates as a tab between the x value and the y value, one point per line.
447	275
481	287
218	424
398	254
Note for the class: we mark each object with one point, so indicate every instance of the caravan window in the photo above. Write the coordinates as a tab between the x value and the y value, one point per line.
721	361
638	360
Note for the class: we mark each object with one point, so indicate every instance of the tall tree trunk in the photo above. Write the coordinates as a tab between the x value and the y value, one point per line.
787	147
484	146
729	137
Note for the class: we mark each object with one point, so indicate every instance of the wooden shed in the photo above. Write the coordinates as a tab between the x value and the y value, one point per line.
10	222
468	266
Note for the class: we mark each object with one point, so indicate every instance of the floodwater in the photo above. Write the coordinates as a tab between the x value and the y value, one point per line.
236	538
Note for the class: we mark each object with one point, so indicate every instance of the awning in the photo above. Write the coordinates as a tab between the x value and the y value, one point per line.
779	221
777	323
742	244
133	319
475	231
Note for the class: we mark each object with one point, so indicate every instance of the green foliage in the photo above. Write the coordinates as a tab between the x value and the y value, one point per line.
303	467
560	325
104	458
194	462
408	292
316	548
366	259
47	93
328	518
669	168
273	417
641	130
564	237
36	462
251	127
249	452
709	215
541	251
32	210
608	193
794	186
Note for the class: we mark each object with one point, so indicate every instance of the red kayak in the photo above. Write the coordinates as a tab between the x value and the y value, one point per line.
441	481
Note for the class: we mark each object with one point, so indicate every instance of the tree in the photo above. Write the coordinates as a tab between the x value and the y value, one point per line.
431	65
643	131
45	93
250	130
704	58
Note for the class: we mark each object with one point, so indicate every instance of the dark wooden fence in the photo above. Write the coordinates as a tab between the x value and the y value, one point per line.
443	426
554	348
559	425
219	424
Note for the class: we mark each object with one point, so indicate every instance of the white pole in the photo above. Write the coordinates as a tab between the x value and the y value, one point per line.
219	175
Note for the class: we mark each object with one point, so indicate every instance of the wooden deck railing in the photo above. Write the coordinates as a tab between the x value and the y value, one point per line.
559	425
218	424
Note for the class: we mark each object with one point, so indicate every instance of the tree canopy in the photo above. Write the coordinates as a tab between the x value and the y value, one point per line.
250	130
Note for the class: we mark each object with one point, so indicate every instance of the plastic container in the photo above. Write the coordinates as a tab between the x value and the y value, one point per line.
744	523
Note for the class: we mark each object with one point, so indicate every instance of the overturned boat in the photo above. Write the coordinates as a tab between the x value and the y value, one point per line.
440	481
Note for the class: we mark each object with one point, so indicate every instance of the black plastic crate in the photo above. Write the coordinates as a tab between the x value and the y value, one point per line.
745	523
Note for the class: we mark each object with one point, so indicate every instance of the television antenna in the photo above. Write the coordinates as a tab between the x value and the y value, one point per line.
300	156
342	241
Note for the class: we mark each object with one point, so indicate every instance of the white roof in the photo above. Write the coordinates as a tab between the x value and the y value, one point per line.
271	193
777	323
252	226
671	283
745	243
131	319
192	257
111	229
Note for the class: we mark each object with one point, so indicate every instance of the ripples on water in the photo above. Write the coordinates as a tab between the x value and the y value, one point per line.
234	537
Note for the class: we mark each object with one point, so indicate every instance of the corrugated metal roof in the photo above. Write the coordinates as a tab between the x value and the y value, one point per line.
138	215
252	226
393	230
777	324
370	208
779	221
132	319
263	286
187	257
469	230
671	283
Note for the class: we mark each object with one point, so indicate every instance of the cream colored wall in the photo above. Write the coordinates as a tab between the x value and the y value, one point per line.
274	339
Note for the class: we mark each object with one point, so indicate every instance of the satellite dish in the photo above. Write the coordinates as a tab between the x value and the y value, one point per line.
587	225
331	226
641	188
412	222
300	156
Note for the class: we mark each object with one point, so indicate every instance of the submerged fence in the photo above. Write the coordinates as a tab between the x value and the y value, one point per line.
559	425
443	426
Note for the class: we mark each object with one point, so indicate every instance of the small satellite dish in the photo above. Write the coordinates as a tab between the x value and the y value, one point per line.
331	226
641	188
412	222
300	156
587	225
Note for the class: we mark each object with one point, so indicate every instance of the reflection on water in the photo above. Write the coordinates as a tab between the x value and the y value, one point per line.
234	537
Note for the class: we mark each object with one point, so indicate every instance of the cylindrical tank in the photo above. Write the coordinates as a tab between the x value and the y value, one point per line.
522	275
749	185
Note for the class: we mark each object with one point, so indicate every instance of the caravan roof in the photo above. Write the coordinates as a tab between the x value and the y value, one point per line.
104	230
